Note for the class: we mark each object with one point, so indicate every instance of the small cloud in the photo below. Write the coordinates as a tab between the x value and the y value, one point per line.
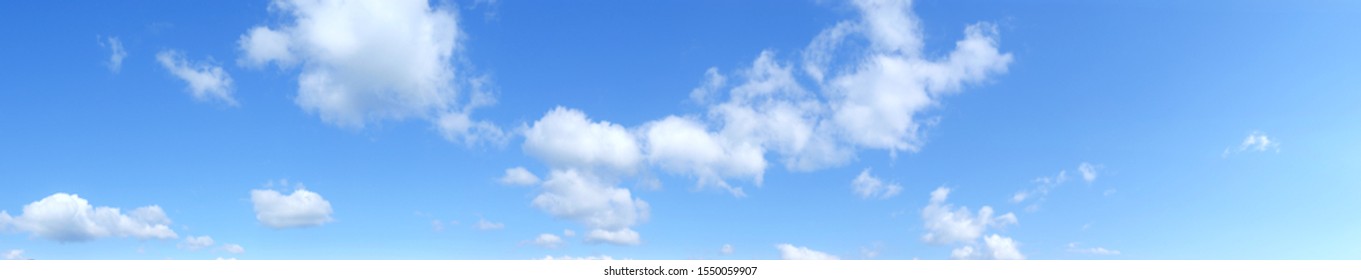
206	81
548	240
867	186
483	224
726	250
15	254
791	252
1256	141
302	208
233	248
116	53
193	243
1089	171
519	176
616	237
437	226
1074	248
569	233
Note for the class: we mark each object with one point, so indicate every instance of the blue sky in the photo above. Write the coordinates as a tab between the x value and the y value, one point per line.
680	130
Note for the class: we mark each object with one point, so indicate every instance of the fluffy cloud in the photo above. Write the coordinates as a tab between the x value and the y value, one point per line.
684	146
946	224
790	252
519	176
566	138
116	53
548	240
302	208
583	198
68	218
484	224
365	61
196	242
867	186
206	81
1255	142
618	237
233	248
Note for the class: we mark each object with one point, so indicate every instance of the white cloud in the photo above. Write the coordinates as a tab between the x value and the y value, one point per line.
302	208
617	237
684	146
207	82
483	224
519	176
68	218
867	186
583	198
116	53
946	224
726	250
566	138
569	233
1043	185
600	257
1002	248
1256	141
1073	247
1089	172
233	248
196	242
14	254
548	240
367	61
713	81
790	252
963	253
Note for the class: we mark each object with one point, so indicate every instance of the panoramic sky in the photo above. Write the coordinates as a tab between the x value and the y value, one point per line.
869	129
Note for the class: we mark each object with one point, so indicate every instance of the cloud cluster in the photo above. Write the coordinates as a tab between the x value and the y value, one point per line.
791	252
946	224
366	61
66	217
302	208
864	85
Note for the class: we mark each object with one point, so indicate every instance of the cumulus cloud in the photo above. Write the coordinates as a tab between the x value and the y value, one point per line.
196	242
947	224
66	217
618	237
302	208
233	248
790	252
519	176
484	224
865	84
366	61
548	240
567	138
116	53
867	186
207	82
1256	141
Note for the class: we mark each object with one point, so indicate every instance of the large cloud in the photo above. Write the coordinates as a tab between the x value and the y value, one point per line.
364	61
68	218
